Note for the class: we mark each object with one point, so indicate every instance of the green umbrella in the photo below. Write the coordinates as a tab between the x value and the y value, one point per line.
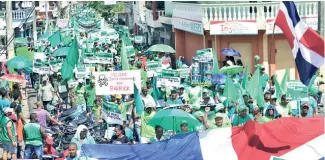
161	48
20	40
19	62
23	52
63	51
231	70
46	35
171	119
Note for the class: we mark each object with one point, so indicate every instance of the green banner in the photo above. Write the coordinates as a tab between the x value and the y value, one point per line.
296	90
153	65
170	73
184	72
110	106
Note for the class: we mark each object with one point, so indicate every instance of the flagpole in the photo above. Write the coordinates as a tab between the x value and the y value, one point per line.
272	44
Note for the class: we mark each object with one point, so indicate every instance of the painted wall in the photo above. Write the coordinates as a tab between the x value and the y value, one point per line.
284	59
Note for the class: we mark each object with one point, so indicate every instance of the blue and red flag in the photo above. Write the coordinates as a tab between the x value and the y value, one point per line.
306	45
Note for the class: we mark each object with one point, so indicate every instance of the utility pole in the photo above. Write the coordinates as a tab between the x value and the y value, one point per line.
10	31
321	18
34	26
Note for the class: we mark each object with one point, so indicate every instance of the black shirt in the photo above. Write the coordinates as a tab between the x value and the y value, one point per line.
117	140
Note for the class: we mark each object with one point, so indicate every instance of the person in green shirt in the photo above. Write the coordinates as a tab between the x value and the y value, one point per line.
199	116
146	131
144	77
97	110
90	95
184	127
79	92
264	78
8	135
270	114
242	117
219	123
174	100
34	135
159	135
182	95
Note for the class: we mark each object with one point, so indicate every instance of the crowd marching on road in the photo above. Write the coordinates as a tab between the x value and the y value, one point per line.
63	112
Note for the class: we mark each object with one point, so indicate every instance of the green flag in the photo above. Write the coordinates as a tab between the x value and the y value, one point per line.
285	79
215	62
139	106
155	92
245	78
230	91
312	80
124	57
23	52
278	90
254	88
56	38
71	60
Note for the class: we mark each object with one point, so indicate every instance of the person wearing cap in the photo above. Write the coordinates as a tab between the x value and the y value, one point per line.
80	93
8	135
147	131
34	135
174	100
270	114
264	78
182	95
147	98
284	108
249	103
61	88
218	120
206	98
132	65
304	110
273	102
267	100
242	117
184	127
90	95
311	101
199	115
47	92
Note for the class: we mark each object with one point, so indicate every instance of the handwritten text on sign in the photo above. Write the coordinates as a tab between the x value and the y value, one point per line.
117	82
112	118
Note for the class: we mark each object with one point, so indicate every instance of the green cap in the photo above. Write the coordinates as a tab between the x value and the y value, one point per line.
256	57
241	108
184	122
198	114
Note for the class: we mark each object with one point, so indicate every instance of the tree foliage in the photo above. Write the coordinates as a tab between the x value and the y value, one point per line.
105	10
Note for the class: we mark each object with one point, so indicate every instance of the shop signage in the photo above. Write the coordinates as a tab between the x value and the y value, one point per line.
240	27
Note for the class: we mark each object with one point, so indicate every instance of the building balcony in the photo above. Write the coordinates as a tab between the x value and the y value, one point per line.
261	12
154	21
21	14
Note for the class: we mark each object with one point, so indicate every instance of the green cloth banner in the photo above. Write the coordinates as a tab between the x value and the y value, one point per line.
296	90
170	73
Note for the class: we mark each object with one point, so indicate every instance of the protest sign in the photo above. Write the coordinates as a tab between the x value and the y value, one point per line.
93	59
117	82
112	118
44	70
202	68
169	79
81	72
170	73
184	72
296	90
153	66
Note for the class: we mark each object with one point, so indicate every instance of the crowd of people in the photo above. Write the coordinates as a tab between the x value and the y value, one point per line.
23	138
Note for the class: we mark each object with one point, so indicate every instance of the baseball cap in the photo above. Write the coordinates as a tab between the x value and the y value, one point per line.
219	115
184	122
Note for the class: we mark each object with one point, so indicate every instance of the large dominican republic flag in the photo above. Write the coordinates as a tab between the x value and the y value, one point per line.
285	138
306	45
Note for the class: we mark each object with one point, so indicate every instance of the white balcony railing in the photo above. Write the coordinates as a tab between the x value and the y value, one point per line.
149	18
21	14
243	11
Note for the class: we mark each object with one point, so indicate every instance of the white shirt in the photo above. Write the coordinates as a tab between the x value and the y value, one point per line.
148	101
47	91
